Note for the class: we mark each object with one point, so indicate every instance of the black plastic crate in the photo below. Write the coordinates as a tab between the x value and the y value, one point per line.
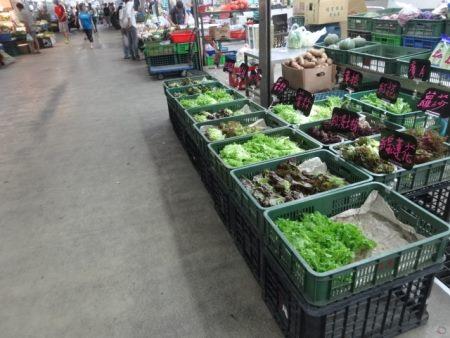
221	197
248	241
434	198
444	274
177	126
363	34
386	311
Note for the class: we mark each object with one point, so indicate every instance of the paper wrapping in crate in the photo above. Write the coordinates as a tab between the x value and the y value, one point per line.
311	79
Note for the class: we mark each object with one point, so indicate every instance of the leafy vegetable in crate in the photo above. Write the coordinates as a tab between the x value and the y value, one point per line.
430	145
210	97
232	129
323	243
226	112
187	82
260	147
290	181
400	107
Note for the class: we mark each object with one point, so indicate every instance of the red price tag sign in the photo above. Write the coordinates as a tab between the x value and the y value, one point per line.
229	66
419	69
352	78
345	120
388	89
398	148
280	86
243	71
304	101
436	101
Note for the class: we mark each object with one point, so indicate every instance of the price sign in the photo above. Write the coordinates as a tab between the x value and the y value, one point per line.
345	120
229	65
388	89
352	78
242	71
280	86
419	69
304	101
398	147
436	101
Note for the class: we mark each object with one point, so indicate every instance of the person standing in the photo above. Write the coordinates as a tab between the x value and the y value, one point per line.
107	14
85	19
63	21
26	17
124	32
178	14
130	22
94	14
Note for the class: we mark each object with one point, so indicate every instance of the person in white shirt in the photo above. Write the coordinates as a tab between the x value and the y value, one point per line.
123	30
130	22
26	17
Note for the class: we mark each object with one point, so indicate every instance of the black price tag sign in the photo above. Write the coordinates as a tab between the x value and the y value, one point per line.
345	120
304	101
352	78
280	86
243	71
388	89
229	65
419	69
436	101
398	148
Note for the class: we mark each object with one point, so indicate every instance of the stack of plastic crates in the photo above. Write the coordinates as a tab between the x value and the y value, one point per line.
421	33
387	31
360	25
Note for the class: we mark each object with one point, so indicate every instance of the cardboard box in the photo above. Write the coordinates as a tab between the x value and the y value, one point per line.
311	79
318	12
356	7
219	32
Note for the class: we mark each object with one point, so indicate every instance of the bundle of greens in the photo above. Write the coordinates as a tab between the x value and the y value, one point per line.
400	107
323	243
230	129
209	97
430	145
187	82
364	152
288	183
193	90
260	147
226	112
288	113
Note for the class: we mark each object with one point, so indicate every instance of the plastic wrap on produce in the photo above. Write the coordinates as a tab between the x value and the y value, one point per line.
378	222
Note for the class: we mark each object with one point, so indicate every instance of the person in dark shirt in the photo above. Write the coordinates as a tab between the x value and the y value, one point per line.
178	14
107	14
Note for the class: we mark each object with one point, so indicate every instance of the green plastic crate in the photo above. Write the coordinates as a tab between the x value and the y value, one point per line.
380	58
157	49
323	288
424	28
339	56
183	48
384	26
188	81
438	75
222	170
407	120
360	22
202	141
255	212
387	39
187	115
447	27
363	34
420	176
369	118
209	60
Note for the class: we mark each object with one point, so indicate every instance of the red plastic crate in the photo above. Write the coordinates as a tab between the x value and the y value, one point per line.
182	36
240	34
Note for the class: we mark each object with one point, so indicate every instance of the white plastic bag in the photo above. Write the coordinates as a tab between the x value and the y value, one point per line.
310	38
294	40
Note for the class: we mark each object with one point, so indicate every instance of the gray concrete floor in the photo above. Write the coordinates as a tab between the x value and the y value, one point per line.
106	229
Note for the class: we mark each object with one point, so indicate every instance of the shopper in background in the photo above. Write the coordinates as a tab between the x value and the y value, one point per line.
178	14
26	17
94	14
107	15
63	21
130	24
86	23
124	32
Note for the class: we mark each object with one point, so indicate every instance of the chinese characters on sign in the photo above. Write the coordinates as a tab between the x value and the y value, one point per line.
436	101
243	71
388	89
304	101
345	120
280	86
419	69
352	78
399	148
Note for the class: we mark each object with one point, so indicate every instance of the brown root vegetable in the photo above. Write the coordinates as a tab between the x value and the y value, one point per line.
301	60
317	52
330	61
295	65
309	64
324	55
321	61
308	56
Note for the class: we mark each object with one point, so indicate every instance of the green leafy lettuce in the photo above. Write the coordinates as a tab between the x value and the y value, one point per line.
399	107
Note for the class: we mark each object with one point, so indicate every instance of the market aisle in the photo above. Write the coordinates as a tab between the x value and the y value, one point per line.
105	228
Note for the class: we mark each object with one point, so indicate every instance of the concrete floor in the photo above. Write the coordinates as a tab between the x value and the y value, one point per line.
106	229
